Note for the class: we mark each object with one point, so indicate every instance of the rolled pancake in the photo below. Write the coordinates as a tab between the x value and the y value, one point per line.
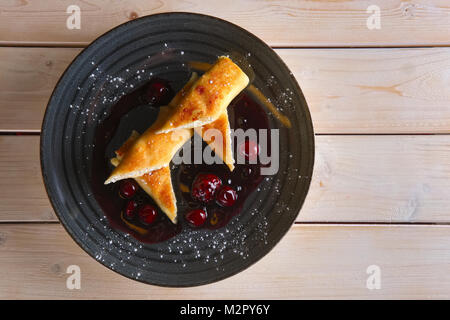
152	151
157	184
220	145
208	97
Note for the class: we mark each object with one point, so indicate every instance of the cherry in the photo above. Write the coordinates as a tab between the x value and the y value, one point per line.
205	186
158	92
226	197
196	217
127	189
130	208
147	214
249	149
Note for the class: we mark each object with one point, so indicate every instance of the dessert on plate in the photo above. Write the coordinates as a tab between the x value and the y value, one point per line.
198	104
201	105
202	195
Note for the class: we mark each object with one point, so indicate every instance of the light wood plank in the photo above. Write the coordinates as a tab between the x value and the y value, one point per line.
380	179
314	261
280	23
375	90
348	90
27	78
22	192
356	179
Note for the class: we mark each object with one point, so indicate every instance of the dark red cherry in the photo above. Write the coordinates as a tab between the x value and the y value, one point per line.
249	149
128	189
196	217
226	197
158	92
130	208
147	214
205	186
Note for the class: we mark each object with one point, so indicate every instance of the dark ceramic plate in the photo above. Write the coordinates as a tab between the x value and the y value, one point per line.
163	45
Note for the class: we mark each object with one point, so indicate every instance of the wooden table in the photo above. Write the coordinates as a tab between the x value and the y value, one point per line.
380	102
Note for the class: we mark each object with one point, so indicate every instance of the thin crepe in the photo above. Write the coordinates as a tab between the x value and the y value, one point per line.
157	184
208	97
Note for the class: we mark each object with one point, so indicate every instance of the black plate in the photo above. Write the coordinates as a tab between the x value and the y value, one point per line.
84	96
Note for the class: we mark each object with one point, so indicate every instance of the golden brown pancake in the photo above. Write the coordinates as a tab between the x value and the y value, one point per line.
146	158
157	184
208	97
152	151
220	145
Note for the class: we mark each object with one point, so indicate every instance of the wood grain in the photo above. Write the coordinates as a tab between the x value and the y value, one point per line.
280	23
356	179
314	261
348	90
380	179
375	90
23	197
27	78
